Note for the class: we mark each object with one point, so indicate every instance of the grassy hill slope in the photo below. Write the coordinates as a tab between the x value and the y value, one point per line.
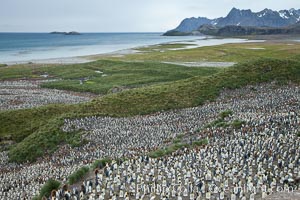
42	125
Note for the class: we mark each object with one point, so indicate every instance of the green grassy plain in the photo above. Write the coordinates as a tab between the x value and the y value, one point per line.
104	75
221	53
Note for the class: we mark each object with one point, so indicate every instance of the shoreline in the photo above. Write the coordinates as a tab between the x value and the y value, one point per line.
71	60
196	43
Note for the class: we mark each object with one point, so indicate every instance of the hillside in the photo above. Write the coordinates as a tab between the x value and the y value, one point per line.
42	125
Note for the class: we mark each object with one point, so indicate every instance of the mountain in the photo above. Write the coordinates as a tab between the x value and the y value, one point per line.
191	24
266	17
233	30
188	25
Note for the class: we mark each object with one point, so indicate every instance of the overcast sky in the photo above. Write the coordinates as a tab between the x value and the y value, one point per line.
118	15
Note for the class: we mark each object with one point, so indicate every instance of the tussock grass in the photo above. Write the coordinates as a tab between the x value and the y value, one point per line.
225	114
176	146
200	143
47	189
238	123
167	150
100	163
78	175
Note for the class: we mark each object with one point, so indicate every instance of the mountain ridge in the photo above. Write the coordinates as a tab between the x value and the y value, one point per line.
242	17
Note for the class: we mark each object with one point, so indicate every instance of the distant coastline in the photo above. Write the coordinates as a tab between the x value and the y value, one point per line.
65	33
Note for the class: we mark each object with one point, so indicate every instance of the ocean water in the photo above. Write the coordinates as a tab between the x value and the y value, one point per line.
25	47
16	47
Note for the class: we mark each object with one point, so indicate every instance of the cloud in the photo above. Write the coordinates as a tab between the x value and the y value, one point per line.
118	15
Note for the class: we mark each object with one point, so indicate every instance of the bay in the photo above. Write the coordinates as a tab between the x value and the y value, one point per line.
16	47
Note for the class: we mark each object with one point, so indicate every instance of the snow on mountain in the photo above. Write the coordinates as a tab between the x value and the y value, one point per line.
266	17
